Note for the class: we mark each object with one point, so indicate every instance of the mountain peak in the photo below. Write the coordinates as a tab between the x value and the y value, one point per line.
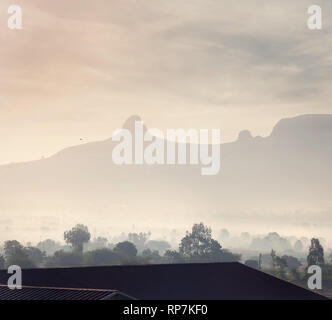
245	135
303	126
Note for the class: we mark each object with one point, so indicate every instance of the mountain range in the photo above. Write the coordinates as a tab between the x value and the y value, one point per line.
284	178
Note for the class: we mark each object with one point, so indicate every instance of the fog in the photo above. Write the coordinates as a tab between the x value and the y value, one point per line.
76	72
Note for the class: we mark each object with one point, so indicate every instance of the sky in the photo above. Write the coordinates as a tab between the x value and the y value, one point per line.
78	69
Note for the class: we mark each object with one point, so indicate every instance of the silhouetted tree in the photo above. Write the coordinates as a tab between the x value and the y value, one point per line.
35	255
126	251
172	256
260	261
77	236
65	259
316	253
292	262
101	257
198	245
10	247
2	262
273	259
149	256
278	265
15	254
198	242
49	246
97	243
139	239
225	255
158	245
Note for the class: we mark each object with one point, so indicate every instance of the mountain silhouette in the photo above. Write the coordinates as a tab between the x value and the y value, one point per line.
261	178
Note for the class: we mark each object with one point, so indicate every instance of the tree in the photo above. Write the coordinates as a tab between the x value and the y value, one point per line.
158	245
273	260
101	257
292	262
278	265
149	256
65	259
2	262
16	254
11	247
126	251
260	261
35	255
139	239
199	246
172	256
316	253
225	255
77	236
97	243
198	242
49	246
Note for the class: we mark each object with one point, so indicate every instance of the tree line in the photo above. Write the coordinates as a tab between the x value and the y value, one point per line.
197	246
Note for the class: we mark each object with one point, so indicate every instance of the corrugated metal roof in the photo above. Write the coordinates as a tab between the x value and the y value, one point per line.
54	293
206	281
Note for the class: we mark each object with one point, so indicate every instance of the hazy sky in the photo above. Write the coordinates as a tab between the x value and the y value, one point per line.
79	68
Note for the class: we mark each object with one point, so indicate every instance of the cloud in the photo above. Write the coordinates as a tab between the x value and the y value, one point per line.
77	66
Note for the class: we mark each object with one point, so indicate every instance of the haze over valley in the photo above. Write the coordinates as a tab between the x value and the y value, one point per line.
281	182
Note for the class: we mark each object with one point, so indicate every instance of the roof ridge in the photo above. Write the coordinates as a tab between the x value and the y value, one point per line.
63	288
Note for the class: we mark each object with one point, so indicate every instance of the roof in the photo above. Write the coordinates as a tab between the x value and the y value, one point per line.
209	281
53	293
